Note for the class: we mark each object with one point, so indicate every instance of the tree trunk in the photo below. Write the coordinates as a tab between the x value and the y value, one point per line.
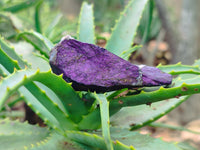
184	42
170	31
188	49
189	33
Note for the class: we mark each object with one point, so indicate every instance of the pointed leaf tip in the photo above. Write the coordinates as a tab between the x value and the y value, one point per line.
125	29
25	77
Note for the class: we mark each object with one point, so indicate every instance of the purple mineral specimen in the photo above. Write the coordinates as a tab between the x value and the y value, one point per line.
90	67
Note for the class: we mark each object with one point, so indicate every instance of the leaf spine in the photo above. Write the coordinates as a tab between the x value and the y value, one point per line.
37	71
25	77
132	148
7	89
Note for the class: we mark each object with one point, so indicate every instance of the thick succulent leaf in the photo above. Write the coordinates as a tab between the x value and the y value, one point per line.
9	25
180	128
52	25
40	42
105	121
86	24
20	6
122	139
17	135
139	116
147	20
11	53
58	142
52	95
33	137
39	108
16	127
112	95
71	101
179	69
38	27
89	100
4	59
125	29
140	141
91	121
126	54
60	29
95	141
181	88
14	114
8	85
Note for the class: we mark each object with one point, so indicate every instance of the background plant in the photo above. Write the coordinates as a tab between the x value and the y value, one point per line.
85	120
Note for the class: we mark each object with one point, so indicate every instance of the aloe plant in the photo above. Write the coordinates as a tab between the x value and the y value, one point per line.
87	120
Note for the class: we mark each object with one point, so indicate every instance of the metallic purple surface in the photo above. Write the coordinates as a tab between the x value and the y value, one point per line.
93	68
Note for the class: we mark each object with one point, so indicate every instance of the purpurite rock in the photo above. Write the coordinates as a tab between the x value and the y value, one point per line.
90	67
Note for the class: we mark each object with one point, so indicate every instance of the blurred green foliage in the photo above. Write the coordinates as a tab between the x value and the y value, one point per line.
40	15
45	16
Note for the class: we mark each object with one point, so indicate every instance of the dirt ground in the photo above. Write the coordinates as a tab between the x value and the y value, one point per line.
171	135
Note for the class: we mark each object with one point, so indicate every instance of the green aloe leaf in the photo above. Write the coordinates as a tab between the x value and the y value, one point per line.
52	95
181	88
91	121
71	101
140	141
125	29
58	142
41	110
180	128
86	24
114	94
52	25
11	53
8	62
20	6
126	54
37	17
95	141
105	121
40	42
25	77
17	135
139	116
9	25
26	136
179	69
147	20
14	114
123	139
